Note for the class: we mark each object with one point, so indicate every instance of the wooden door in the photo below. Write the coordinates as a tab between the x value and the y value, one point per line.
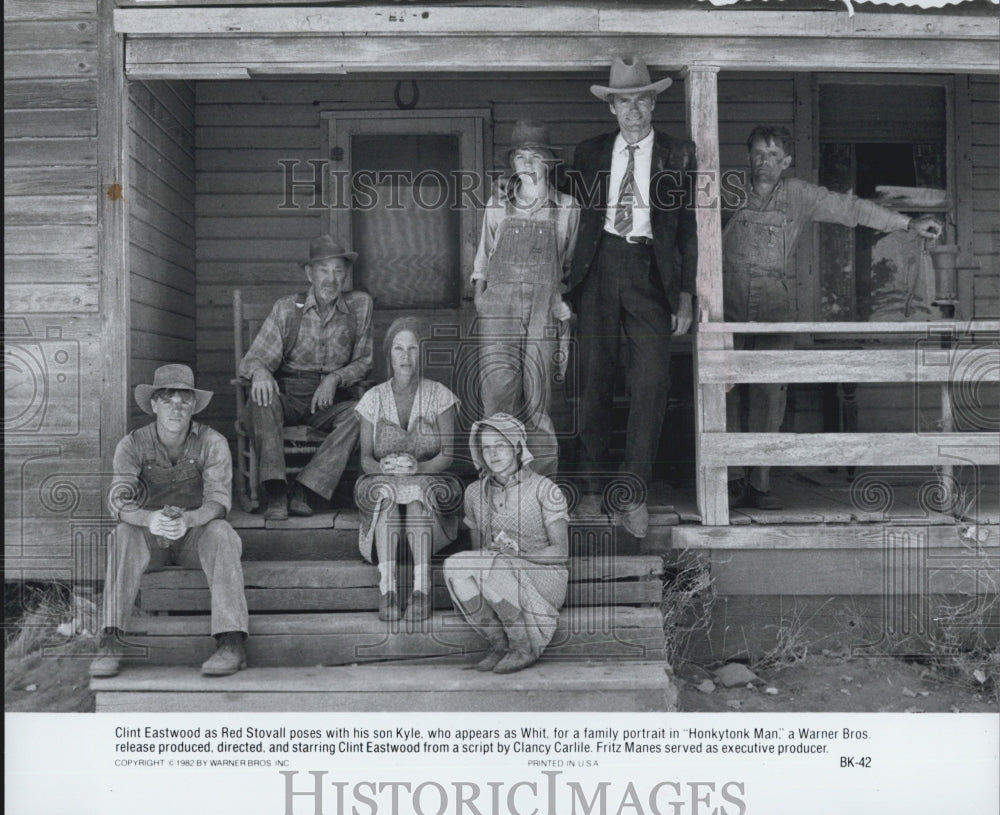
407	195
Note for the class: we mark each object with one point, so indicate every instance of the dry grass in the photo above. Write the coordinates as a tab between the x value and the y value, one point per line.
792	638
966	639
43	669
688	600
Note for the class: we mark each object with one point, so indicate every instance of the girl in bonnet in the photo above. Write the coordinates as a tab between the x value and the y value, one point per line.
512	583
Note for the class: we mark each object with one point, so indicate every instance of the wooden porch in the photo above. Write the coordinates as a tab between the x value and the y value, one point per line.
164	127
863	564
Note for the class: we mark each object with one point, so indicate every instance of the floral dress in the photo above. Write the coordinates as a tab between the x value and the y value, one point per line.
439	493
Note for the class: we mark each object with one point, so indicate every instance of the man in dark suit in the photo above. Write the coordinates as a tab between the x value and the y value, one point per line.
634	268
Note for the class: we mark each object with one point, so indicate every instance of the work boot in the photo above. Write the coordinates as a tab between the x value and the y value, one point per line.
515	660
481	616
388	607
110	652
298	500
230	656
418	607
497	652
759	499
276	507
519	654
636	520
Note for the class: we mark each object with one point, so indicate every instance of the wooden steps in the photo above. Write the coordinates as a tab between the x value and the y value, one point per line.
621	633
351	585
547	686
316	643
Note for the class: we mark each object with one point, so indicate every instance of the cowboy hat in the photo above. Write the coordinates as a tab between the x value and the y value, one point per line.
171	377
530	135
325	247
629	75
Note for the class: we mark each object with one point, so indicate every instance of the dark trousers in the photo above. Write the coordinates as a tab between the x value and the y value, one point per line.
264	424
621	290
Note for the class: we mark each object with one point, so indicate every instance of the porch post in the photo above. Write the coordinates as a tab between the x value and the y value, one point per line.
702	96
112	233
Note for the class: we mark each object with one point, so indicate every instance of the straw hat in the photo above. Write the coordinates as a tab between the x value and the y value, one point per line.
171	377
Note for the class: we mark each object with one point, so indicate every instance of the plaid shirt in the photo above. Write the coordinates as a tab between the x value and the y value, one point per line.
340	343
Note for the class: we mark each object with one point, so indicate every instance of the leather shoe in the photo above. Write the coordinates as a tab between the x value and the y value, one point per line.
635	520
388	607
418	607
298	504
276	508
230	656
514	661
757	499
108	661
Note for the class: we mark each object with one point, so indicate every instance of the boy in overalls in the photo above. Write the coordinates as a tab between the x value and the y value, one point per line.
171	493
529	233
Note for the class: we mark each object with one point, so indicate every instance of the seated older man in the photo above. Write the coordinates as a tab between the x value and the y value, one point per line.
171	493
311	347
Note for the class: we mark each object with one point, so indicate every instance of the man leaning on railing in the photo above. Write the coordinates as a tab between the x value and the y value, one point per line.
758	244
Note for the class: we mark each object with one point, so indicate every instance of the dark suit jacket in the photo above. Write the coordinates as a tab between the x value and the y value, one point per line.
675	238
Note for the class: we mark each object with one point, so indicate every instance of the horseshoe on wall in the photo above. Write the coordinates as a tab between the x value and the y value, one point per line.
414	95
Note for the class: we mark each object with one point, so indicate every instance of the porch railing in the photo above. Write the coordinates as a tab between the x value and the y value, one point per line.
954	353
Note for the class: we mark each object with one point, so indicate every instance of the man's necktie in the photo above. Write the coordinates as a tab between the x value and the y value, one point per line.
626	196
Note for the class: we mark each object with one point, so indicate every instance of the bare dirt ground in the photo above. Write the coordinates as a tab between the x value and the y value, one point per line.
842	683
41	682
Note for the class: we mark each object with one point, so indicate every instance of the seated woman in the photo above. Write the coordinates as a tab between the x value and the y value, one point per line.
512	584
407	425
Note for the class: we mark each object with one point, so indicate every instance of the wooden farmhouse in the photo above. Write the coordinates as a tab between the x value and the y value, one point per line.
160	154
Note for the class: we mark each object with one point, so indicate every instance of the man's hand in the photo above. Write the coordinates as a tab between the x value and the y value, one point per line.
926	226
168	523
681	321
323	397
263	388
561	311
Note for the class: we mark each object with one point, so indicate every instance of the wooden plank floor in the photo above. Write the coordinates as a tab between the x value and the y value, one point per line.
809	496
